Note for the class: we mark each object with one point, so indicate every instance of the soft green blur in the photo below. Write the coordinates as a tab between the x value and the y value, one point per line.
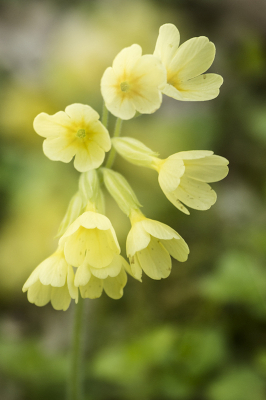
201	333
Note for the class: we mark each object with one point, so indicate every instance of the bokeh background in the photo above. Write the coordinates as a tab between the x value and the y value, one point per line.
201	333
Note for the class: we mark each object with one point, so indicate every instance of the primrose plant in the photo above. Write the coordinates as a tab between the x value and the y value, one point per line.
87	260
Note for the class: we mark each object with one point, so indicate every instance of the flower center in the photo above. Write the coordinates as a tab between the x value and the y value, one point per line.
81	133
124	86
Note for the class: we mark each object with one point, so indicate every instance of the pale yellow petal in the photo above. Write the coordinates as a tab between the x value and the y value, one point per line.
155	260
191	155
73	291
112	269
193	58
81	114
137	239
170	174
150	76
208	169
83	275
174	199
135	268
177	248
33	278
159	230
60	148
70	230
121	107
110	83
54	270
113	287
167	43
195	194
88	220
93	289
60	298
89	155
202	88
91	220
39	294
99	134
126	59
55	125
75	247
101	248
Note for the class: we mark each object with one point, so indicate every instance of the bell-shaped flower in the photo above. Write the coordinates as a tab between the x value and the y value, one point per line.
90	240
112	279
52	280
75	132
183	178
133	83
186	64
149	247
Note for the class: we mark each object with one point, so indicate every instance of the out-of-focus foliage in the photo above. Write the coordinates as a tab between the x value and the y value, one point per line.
201	333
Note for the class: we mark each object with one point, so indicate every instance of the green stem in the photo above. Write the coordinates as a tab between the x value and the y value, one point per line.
105	115
76	370
112	153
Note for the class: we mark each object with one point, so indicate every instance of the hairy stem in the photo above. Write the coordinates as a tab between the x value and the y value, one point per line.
76	371
112	153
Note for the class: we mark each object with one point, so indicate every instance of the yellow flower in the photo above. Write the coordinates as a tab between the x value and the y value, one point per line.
112	279
132	83
52	280
185	64
183	178
75	132
91	240
149	247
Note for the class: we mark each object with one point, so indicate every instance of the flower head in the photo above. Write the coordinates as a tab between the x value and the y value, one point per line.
52	280
75	132
186	64
132	83
183	178
149	247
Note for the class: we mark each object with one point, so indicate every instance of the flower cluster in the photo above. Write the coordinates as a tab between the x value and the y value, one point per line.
88	260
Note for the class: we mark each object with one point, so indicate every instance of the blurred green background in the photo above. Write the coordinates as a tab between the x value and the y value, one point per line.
201	333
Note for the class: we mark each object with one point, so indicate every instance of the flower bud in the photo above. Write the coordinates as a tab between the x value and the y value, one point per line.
75	208
120	190
134	151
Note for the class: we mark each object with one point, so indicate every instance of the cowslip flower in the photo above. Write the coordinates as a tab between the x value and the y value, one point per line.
149	247
52	280
91	240
112	279
186	64
183	178
133	83
75	132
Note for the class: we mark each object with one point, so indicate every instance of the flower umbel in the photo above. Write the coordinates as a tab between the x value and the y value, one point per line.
75	132
133	83
52	280
186	64
149	247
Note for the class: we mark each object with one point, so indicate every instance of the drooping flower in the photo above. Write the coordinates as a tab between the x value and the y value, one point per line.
52	280
186	64
91	240
183	178
133	83
149	247
75	132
